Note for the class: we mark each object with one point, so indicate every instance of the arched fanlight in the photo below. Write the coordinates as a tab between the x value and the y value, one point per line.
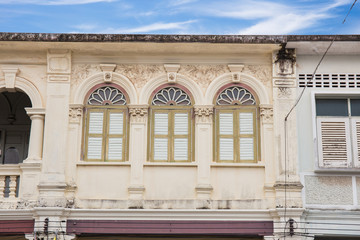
171	96
235	96
107	96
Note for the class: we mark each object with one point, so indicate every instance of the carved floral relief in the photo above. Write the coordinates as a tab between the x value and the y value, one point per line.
140	74
80	72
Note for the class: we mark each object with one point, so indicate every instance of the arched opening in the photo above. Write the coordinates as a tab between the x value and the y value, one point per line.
14	127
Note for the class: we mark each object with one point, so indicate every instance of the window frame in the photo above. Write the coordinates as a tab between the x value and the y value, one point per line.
106	110
236	110
351	136
171	110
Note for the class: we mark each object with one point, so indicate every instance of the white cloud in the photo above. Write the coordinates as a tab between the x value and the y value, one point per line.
152	27
180	2
246	9
282	24
292	19
86	27
53	2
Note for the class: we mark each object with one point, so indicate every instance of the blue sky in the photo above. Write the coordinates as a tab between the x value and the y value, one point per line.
180	16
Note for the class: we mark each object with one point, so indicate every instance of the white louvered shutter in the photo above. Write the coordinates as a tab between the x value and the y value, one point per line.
94	145
94	148
226	144
355	125
96	122
246	125
334	142
181	122
115	143
161	123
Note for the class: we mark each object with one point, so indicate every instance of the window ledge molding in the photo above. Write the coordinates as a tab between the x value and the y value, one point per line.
243	165
103	163
170	164
337	170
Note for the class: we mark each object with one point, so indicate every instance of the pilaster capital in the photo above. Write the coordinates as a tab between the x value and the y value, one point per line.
266	113
203	113
75	113
35	112
138	113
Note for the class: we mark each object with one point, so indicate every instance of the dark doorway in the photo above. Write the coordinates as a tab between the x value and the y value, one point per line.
14	127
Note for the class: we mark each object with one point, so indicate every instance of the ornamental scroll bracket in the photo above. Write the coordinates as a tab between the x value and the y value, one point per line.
266	113
10	77
235	70
138	113
107	70
171	70
75	113
203	113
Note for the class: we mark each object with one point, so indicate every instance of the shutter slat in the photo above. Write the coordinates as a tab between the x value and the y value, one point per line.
226	149
94	148
246	148
115	149
246	123
160	149
226	123
116	123
181	124
161	124
96	122
180	149
334	142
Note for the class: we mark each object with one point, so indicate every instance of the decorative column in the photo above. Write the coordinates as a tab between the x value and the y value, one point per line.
31	167
74	148
52	185
204	152
36	134
137	153
267	151
287	186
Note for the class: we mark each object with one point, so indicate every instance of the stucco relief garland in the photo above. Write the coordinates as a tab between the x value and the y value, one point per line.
203	74
139	74
260	72
80	72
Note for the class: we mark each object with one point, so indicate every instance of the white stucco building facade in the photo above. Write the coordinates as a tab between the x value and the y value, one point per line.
110	136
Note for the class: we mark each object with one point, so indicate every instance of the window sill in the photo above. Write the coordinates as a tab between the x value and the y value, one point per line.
170	164
337	170
242	165
103	163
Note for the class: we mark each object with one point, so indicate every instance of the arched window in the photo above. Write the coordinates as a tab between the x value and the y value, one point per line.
171	126
236	126
106	125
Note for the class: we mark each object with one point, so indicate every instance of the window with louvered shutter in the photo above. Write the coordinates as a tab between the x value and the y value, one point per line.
338	132
181	128
236	124
161	132
356	140
105	125
334	142
226	137
95	136
170	126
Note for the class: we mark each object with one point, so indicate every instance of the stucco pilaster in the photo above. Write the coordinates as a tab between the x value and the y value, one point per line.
267	151
52	185
137	151
204	153
286	153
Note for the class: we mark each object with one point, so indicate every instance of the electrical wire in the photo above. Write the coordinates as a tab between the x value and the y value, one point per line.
294	106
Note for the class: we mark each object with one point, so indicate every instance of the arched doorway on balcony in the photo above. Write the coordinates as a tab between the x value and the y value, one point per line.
14	127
